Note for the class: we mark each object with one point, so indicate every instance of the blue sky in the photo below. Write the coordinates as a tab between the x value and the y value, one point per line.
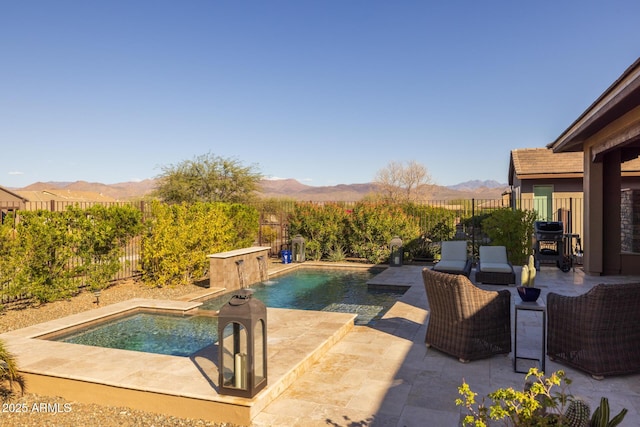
326	92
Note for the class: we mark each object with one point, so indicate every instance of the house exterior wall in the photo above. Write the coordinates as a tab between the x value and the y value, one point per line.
560	185
599	214
567	200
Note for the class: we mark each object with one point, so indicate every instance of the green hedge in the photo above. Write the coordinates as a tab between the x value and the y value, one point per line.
50	255
362	230
512	228
177	238
325	227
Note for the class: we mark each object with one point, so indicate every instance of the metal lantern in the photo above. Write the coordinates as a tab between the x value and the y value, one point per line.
396	252
242	337
297	248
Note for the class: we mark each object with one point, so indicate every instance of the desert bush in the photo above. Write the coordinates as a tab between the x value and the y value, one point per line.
177	238
323	226
372	226
51	254
512	228
543	401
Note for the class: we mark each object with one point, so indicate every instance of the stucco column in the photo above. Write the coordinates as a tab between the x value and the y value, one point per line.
612	241
592	186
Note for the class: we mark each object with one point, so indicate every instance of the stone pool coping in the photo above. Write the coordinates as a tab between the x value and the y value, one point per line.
180	386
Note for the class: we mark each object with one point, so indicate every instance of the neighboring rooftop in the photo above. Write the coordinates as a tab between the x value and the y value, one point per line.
536	163
61	195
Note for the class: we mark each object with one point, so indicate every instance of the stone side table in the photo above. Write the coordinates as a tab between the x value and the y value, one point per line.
536	306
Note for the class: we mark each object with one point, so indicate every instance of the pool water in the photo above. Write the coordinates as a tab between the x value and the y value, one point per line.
303	289
335	290
151	333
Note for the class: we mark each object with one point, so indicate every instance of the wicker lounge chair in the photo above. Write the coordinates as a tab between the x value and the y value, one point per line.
454	258
465	321
597	332
494	267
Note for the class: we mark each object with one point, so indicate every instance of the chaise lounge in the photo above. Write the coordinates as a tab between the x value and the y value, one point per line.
494	267
465	321
597	332
454	258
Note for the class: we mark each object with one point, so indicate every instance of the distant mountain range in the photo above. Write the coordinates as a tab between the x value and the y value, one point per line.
284	188
120	191
477	184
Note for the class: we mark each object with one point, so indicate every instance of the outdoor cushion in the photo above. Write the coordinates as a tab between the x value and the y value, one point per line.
493	255
495	267
450	265
455	250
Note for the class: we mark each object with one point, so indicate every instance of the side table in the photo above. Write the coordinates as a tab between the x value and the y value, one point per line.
536	306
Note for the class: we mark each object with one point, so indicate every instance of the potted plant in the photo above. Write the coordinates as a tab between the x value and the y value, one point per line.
527	290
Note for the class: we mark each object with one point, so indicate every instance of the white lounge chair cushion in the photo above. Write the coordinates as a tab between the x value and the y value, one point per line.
494	267
448	265
493	259
493	254
454	250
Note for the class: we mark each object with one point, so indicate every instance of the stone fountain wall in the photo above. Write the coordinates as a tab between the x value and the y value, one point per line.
239	268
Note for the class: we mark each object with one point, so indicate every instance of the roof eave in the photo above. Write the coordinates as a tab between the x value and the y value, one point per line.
573	137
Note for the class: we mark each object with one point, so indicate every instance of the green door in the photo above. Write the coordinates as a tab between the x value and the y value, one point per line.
543	202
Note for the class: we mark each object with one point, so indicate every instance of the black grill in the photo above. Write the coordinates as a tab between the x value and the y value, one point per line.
549	230
548	242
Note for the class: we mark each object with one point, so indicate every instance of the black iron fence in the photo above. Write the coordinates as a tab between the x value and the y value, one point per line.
465	216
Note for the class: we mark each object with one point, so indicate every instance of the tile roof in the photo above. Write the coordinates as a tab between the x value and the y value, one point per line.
11	193
64	196
537	162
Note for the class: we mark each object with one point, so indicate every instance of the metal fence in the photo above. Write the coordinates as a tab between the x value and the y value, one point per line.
274	224
468	213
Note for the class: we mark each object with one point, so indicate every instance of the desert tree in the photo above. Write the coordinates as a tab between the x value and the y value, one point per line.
208	178
398	182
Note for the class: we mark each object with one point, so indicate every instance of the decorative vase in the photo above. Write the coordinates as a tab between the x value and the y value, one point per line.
528	294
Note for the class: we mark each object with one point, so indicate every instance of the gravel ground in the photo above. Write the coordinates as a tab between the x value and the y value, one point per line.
34	410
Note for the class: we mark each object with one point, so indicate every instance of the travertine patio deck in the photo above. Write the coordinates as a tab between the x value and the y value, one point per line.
322	369
180	386
385	376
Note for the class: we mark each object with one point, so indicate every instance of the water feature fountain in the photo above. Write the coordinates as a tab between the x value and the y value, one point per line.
264	271
239	268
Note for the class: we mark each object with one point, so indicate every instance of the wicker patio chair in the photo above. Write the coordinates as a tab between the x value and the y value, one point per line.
465	321
494	267
454	258
597	332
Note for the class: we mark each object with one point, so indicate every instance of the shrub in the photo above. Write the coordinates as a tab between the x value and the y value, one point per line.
178	238
105	231
512	228
535	405
323	226
372	226
436	223
51	254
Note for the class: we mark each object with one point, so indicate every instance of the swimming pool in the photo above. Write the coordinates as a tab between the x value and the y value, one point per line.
323	289
149	332
334	290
